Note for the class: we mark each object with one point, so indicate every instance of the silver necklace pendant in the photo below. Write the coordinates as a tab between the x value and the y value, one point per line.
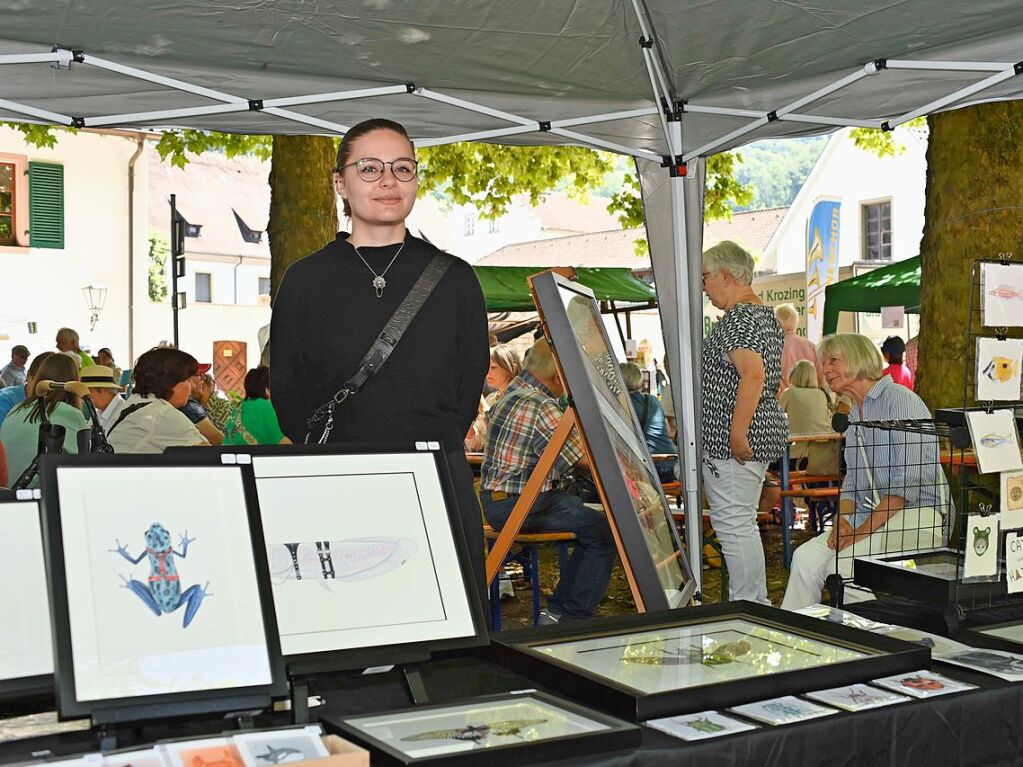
379	283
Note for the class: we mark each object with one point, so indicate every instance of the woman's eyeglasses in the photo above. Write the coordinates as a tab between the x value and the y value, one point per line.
371	169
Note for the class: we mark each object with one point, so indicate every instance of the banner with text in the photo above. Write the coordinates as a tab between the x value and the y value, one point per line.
822	230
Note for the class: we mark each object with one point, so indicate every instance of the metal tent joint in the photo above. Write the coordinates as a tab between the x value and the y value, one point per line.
255	105
646	42
545	125
1018	67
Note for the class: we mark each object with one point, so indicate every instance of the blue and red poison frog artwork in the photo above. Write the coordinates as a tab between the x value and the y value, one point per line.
162	593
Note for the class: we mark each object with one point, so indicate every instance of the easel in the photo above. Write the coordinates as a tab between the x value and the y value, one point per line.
534	486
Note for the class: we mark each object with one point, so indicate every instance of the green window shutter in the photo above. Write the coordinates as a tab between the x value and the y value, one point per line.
45	205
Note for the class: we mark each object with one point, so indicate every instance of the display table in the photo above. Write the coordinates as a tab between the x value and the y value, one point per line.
980	727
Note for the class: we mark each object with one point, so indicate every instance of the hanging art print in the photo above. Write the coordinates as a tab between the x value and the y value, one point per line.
995	440
1011	487
981	551
1002	291
999	363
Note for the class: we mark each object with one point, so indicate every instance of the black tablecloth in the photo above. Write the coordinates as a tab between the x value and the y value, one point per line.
981	727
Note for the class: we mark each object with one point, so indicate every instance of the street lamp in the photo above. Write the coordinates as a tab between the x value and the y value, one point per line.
95	297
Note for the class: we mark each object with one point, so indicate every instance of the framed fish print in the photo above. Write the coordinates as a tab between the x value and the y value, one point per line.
652	665
26	654
368	562
648	541
493	731
160	588
1002	290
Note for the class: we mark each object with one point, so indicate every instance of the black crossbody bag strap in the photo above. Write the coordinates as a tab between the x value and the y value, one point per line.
382	347
125	413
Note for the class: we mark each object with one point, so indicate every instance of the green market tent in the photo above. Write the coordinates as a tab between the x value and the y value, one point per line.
506	288
897	284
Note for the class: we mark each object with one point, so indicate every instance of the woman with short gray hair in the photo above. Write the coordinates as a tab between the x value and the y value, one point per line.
894	494
744	428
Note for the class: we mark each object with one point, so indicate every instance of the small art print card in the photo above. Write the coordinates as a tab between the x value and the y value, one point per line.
995	441
923	684
1002	288
998	368
1012	499
706	724
207	752
147	757
786	710
1014	563
857	697
265	749
1004	665
981	546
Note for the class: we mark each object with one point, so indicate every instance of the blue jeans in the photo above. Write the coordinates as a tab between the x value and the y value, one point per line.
584	579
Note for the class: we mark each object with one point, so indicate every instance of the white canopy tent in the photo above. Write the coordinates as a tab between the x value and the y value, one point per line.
665	81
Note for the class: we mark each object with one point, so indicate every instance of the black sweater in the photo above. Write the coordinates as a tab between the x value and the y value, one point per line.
325	317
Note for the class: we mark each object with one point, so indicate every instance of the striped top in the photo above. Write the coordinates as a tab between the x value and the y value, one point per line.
900	463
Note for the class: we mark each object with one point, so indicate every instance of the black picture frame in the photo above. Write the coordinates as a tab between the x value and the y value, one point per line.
386	652
622	466
886	656
882	573
976	635
19	691
156	706
618	735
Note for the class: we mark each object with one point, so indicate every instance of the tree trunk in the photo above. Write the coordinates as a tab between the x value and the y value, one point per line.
303	208
974	185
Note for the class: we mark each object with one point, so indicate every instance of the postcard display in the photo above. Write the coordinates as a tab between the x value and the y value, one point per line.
985	570
649	545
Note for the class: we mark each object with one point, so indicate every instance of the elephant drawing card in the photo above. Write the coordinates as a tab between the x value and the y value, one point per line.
361	551
706	724
267	749
786	710
995	440
998	368
162	587
981	546
923	684
26	652
1002	290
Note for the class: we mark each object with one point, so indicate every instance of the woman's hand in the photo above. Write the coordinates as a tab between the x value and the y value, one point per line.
739	444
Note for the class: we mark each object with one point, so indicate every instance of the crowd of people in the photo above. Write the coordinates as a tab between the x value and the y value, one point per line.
169	400
380	336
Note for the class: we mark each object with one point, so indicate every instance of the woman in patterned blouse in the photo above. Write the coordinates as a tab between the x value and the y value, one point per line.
744	428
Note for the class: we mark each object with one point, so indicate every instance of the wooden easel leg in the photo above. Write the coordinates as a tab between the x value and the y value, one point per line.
534	486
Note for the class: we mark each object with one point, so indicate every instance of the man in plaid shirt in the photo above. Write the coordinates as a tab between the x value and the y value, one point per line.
521	424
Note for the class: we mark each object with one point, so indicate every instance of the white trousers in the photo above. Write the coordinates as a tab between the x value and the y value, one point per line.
734	494
909	530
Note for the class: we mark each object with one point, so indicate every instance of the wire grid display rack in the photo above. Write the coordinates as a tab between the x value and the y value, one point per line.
938	576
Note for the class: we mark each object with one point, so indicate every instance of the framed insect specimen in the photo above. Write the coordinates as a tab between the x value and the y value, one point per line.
367	558
708	657
160	589
26	654
493	731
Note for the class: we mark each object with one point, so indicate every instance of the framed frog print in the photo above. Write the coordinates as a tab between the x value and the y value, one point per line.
26	654
649	545
160	588
708	657
354	588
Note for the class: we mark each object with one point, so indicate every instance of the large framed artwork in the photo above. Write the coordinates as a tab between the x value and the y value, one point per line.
709	657
26	651
368	561
639	513
493	731
160	591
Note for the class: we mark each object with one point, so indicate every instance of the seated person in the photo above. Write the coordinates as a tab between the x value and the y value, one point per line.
151	421
894	493
808	408
253	421
20	430
10	396
894	349
651	418
195	408
521	424
105	393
